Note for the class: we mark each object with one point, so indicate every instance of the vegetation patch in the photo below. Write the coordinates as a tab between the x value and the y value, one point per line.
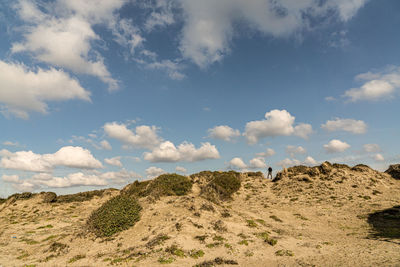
217	261
80	197
251	223
175	250
2	200
222	186
49	197
117	214
158	240
76	258
265	237
169	185
284	252
165	260
195	254
58	247
273	217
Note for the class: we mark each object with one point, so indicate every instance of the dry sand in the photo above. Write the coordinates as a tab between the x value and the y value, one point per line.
317	220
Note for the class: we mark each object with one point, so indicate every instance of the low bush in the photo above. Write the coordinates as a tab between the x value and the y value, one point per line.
49	197
117	214
136	189
169	185
80	197
223	185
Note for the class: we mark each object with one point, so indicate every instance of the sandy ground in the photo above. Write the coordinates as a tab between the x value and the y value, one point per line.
323	225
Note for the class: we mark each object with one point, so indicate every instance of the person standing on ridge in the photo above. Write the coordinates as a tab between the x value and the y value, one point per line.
269	173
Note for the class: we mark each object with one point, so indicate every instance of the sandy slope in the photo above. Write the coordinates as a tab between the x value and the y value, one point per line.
320	222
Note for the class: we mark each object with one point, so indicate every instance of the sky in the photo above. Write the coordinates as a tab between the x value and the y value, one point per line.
100	93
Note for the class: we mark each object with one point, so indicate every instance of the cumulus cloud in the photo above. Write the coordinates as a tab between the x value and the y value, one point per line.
209	25
105	145
292	150
285	163
116	161
310	161
62	34
276	123
347	125
143	137
10	178
152	172
24	90
223	132
376	86
379	157
237	163
254	163
68	156
371	148
257	163
48	180
303	130
268	153
335	146
168	152
180	169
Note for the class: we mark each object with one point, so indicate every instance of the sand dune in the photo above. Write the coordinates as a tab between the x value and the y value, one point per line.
329	215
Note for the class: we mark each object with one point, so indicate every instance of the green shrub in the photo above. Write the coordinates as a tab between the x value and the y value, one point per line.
25	195
136	189
80	197
49	197
225	184
170	185
117	214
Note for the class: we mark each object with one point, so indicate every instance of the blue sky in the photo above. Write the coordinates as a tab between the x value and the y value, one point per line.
99	93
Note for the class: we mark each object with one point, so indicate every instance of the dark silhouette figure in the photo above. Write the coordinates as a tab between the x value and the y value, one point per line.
269	173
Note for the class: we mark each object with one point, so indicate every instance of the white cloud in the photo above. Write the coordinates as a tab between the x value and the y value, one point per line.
223	132
348	125
288	163
303	130
209	25
173	69
371	148
24	90
161	16
268	153
105	145
310	161
10	178
292	150
153	172
379	157
143	137
61	34
257	163
41	180
237	163
116	161
73	179
376	86
168	152
180	169
335	146
68	156
276	123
